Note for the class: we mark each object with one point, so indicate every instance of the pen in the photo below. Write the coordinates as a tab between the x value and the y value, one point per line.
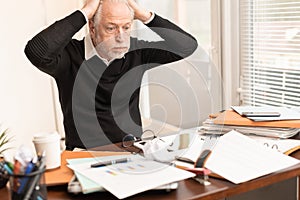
17	170
7	168
24	180
10	165
110	162
36	178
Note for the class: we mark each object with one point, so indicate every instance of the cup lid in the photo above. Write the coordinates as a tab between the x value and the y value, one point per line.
45	136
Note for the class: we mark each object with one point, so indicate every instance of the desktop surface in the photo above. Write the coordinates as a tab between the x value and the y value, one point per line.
187	189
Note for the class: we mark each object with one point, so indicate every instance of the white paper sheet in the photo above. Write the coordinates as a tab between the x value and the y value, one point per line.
285	113
239	158
126	179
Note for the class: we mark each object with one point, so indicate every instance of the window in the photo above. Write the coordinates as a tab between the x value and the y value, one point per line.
195	15
270	52
185	104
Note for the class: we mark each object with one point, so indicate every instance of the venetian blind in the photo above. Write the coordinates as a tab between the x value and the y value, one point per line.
270	52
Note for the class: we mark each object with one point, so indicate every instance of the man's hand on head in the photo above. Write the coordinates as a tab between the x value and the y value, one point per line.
140	13
90	7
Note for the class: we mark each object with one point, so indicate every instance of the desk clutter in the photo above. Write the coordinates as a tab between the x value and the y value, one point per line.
26	175
232	154
273	133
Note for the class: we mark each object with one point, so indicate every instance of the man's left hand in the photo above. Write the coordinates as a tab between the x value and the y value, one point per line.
140	13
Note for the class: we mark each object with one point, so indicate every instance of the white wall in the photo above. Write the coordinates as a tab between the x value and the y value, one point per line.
26	102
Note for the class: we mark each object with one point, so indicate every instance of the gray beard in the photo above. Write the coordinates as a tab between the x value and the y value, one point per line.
109	55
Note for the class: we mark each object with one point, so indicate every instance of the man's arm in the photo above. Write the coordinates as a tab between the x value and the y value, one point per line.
47	51
177	43
176	40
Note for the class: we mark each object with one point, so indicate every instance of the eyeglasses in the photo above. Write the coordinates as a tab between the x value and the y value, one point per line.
148	135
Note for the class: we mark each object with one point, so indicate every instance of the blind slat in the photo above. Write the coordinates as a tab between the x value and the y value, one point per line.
245	4
271	18
251	65
262	13
260	52
273	8
270	40
274	96
269	62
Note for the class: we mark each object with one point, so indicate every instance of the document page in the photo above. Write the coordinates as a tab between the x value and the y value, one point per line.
138	175
194	150
238	158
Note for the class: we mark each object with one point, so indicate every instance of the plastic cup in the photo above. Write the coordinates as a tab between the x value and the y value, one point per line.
50	144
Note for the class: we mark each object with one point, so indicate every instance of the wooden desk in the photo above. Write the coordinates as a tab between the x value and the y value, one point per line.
188	189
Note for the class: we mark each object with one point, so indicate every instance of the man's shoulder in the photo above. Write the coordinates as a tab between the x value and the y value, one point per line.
76	45
133	40
77	42
137	43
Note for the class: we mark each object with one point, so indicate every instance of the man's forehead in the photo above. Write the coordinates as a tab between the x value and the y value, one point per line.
115	21
116	13
116	9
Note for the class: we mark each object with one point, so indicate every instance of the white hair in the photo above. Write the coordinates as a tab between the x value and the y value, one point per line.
97	17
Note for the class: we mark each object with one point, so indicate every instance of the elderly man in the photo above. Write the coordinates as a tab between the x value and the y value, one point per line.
99	77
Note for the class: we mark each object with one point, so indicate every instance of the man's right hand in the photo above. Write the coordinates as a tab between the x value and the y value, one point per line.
90	7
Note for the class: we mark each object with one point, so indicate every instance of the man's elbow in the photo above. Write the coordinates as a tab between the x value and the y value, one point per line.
35	51
189	47
194	46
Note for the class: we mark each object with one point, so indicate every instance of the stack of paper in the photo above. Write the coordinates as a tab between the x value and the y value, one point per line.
87	185
209	127
285	127
130	178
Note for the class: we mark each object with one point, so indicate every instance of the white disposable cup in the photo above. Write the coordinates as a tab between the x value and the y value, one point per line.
49	143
